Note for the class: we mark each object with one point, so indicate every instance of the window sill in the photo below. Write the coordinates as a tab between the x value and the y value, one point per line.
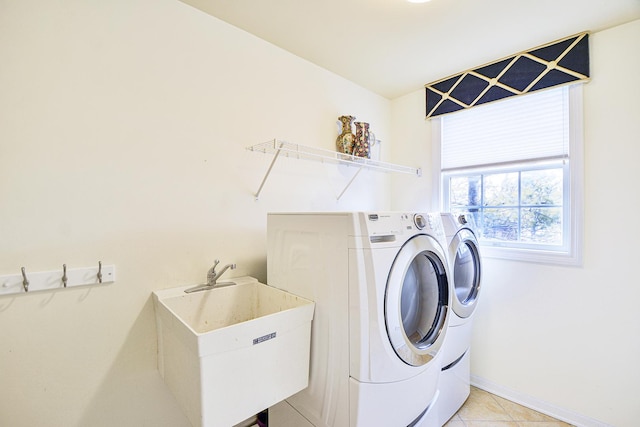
570	259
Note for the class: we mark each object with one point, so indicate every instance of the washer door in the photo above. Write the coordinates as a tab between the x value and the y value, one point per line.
466	272
416	301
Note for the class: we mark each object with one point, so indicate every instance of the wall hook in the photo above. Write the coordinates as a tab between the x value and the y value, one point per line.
25	281
64	275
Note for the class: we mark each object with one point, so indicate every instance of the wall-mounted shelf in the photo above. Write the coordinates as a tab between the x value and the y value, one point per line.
297	151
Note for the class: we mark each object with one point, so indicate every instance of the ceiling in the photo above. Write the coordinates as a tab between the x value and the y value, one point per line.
393	47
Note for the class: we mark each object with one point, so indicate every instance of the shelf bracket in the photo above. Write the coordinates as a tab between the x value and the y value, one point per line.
355	175
273	161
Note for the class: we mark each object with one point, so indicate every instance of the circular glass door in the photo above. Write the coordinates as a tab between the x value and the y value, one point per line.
466	272
416	301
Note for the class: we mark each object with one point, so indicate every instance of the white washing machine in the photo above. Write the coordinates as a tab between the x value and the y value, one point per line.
465	267
380	284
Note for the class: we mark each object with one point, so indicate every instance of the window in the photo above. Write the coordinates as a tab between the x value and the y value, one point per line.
516	166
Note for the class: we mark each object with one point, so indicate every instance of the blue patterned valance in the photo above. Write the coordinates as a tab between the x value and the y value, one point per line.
561	62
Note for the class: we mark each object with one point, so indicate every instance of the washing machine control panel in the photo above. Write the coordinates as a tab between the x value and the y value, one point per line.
400	223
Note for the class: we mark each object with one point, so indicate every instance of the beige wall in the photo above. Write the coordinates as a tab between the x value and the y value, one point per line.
565	338
410	131
122	134
123	127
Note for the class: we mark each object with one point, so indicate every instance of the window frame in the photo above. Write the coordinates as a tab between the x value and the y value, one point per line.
570	253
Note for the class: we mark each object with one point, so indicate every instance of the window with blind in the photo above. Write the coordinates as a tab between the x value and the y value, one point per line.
516	166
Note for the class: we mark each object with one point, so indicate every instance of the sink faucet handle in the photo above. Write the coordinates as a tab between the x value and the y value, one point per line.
212	274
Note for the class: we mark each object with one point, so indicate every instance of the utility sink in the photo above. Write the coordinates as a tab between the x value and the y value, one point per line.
230	352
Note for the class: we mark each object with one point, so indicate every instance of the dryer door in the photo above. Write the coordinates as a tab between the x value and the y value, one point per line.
466	272
416	300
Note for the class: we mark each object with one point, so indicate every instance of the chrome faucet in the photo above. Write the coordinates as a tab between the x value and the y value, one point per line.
212	278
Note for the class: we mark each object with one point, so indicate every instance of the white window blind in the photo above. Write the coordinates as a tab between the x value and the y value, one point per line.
530	127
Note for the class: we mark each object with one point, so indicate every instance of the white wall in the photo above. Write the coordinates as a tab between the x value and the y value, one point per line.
567	339
122	132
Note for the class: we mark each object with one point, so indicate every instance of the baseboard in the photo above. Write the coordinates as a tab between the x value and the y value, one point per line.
530	402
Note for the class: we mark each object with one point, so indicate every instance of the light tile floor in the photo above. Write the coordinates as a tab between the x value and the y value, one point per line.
483	409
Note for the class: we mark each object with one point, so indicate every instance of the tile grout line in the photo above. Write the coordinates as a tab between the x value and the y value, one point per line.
506	411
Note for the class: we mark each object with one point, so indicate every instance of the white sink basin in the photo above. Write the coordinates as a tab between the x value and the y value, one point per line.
231	352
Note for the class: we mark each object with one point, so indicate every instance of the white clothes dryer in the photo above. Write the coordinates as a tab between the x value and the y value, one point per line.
465	266
380	284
